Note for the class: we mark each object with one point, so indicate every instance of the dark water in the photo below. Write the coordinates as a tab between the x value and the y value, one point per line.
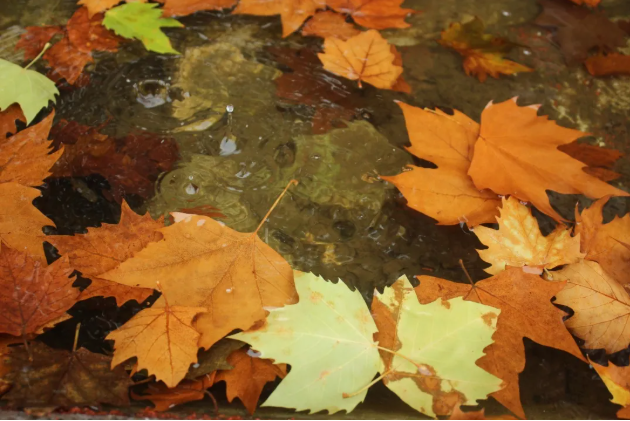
333	224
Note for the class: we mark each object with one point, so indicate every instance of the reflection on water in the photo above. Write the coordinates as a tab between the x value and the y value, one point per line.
240	142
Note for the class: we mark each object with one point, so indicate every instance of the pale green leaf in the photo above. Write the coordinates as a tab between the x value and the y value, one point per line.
327	338
28	88
443	339
142	21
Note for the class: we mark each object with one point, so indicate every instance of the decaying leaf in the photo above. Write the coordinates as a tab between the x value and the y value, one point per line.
436	347
187	7
601	306
617	380
526	311
366	57
610	64
162	339
329	24
214	359
248	377
35	39
292	12
32	294
579	30
519	243
604	243
165	398
327	340
373	14
517	154
144	22
483	53
445	193
105	248
599	160
57	378
201	262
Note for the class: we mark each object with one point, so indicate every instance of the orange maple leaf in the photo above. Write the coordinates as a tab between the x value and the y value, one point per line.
445	193
517	154
599	160
610	64
604	243
292	12
526	311
8	118
165	398
367	57
98	6
186	7
33	294
483	53
373	14
617	380
162	339
105	248
329	24
248	377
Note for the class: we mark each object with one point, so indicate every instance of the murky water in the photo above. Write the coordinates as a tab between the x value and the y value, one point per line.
240	143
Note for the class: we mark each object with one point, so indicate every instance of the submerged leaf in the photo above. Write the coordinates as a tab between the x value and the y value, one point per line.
327	340
329	24
165	398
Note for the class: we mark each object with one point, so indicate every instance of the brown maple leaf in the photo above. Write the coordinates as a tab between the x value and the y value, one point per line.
526	311
445	193
373	14
517	154
54	378
222	270
8	118
599	160
33	294
329	24
35	38
483	53
105	248
366	57
215	358
579	30
600	304
162	339
248	377
165	398
292	12
609	64
605	243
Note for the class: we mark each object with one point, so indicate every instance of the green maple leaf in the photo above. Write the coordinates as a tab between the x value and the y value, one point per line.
26	87
327	338
436	346
142	21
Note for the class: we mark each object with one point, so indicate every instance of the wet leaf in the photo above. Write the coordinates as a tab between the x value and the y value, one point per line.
591	3
33	294
214	359
579	30
87	33
329	24
35	39
601	306
162	339
445	193
8	119
526	311
248	377
604	243
373	14
517	154
66	61
617	380
292	12
436	347
105	248
201	262
187	391
98	6
610	64
60	378
519	243
31	90
130	165
599	160
483	53
458	414
142	21
366	57
321	338
187	7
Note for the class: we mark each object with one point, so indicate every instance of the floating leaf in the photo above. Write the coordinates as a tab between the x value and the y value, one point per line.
165	398
374	14
292	12
329	24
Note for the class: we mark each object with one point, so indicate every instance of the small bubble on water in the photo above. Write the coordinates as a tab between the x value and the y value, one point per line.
527	52
229	290
506	13
229	108
190	189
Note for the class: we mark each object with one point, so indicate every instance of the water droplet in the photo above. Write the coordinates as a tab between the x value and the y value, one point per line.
229	108
191	189
253	354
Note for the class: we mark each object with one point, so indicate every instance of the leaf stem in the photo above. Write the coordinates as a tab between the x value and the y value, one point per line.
461	263
372	383
292	182
41	53
399	355
76	337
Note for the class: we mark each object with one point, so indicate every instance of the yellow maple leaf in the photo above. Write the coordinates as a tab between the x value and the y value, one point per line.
518	242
